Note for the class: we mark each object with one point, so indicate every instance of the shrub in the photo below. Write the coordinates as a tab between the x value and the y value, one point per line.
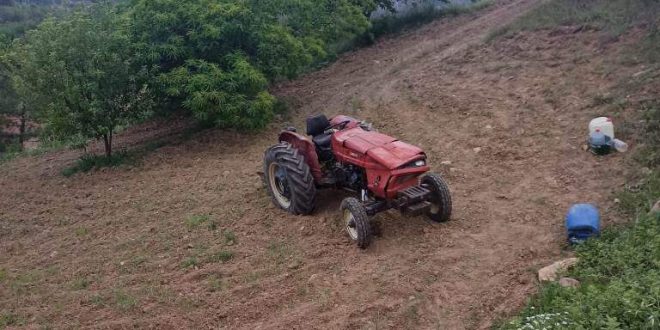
215	59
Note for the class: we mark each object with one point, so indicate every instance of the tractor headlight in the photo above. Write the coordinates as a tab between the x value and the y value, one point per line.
417	163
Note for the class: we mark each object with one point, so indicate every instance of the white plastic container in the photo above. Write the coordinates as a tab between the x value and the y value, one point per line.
602	124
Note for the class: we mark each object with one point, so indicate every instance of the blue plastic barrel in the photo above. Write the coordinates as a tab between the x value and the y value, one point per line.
582	222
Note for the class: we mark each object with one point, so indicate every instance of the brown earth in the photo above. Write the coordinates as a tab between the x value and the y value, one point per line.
130	246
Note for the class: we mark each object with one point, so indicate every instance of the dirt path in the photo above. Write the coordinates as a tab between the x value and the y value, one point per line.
190	239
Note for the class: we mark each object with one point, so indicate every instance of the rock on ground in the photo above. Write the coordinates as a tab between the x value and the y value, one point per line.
551	273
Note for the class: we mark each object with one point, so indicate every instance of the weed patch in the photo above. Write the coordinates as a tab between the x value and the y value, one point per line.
222	256
8	319
80	283
214	283
90	162
189	262
124	301
196	221
230	237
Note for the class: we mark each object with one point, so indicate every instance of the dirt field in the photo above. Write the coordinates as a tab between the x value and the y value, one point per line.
188	238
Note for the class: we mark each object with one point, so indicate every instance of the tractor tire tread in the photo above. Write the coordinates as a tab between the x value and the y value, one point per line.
363	225
303	194
439	186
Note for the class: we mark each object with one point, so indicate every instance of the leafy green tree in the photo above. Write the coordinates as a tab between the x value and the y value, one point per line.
215	58
80	73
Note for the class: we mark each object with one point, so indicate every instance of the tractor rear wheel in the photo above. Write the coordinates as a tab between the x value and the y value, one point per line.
440	197
289	179
356	221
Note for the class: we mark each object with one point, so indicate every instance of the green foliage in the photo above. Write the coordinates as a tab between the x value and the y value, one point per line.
614	16
230	237
196	221
87	92
216	58
15	20
234	98
222	256
8	319
189	262
124	301
620	274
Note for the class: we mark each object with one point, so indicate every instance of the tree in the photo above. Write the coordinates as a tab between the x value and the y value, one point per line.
216	58
81	69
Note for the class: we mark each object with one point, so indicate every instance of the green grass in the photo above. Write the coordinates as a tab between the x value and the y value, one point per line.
189	262
222	256
13	150
81	231
215	283
8	319
124	301
196	221
613	16
230	237
423	13
90	162
80	283
620	284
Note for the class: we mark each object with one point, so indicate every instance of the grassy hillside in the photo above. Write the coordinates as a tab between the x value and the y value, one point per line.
620	272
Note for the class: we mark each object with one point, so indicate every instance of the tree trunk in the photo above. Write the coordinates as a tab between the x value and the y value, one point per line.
107	140
21	132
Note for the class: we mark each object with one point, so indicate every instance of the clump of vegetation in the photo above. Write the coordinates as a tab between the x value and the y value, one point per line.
222	256
89	162
196	220
189	262
230	237
124	301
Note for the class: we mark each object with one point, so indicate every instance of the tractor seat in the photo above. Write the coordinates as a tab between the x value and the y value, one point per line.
322	140
316	125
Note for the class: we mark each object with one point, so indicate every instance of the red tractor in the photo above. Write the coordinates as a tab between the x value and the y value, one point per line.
346	153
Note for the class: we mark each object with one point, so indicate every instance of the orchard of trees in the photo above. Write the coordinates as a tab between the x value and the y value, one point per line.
86	70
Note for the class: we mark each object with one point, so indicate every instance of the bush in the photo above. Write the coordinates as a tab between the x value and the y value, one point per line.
215	59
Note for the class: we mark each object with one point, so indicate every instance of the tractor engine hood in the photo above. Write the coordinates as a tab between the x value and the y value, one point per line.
382	148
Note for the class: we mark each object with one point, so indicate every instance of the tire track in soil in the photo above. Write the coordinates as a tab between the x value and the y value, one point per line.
437	87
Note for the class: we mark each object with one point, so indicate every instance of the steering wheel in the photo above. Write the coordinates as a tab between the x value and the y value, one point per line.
339	126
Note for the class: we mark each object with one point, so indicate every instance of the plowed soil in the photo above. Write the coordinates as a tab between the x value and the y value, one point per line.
188	238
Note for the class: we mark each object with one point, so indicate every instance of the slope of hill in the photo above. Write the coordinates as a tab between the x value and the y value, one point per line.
187	237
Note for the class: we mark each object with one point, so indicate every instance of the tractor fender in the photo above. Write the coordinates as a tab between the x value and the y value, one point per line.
307	149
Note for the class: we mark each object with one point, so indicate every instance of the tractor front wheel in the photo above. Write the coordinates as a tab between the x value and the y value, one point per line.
440	197
289	180
356	221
